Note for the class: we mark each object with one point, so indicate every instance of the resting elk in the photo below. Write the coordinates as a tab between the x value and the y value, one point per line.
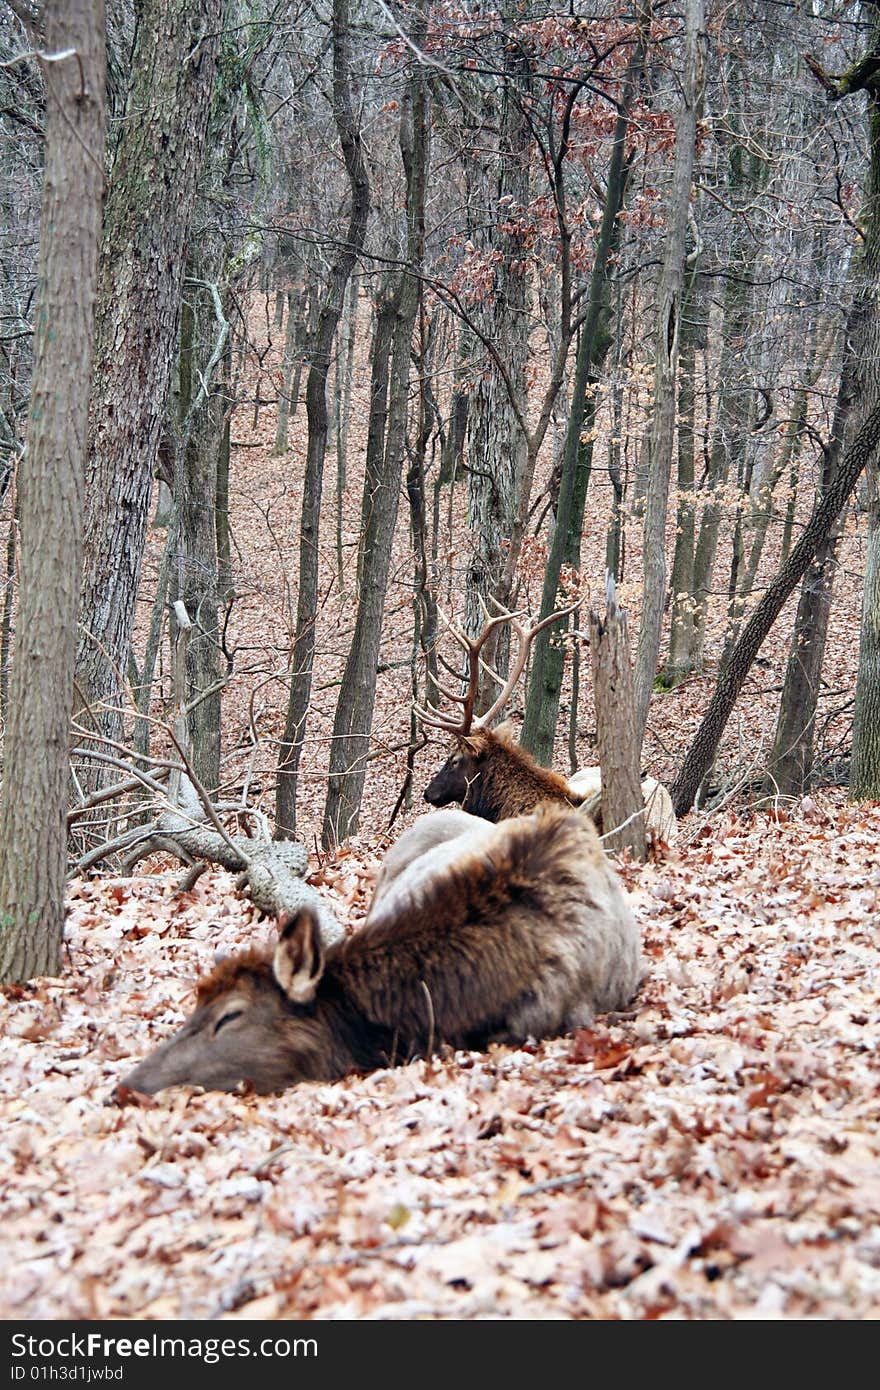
492	776
523	931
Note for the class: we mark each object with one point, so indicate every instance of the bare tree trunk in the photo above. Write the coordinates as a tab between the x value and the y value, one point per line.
542	701
195	571
293	338
681	628
666	346
623	805
615	473
50	493
354	709
497	447
316	408
730	436
225	583
791	761
864	776
143	258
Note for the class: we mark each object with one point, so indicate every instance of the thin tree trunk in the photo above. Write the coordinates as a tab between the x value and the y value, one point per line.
50	496
225	583
666	347
497	445
790	765
681	628
864	776
316	409
354	709
731	428
615	474
196	559
542	701
292	349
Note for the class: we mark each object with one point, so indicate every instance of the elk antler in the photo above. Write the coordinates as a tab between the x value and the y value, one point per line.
431	718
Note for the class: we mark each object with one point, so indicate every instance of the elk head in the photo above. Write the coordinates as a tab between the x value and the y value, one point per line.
254	1021
459	779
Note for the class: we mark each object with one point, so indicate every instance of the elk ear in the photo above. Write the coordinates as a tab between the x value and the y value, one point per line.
505	731
470	745
298	963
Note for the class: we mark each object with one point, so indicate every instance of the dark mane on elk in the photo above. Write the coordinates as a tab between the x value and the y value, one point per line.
493	776
488	772
521	931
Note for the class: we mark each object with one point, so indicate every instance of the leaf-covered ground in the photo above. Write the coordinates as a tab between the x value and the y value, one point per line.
717	1154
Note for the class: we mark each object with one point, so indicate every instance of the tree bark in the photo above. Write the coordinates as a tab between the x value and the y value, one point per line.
681	627
864	777
623	804
195	487
791	760
33	835
316	410
354	709
542	700
143	258
497	450
666	348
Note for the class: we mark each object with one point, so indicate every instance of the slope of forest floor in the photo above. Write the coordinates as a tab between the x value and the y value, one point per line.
717	1154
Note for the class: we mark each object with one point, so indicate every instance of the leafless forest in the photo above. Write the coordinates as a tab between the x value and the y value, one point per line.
371	373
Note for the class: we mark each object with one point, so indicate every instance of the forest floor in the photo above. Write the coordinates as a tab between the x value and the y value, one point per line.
717	1154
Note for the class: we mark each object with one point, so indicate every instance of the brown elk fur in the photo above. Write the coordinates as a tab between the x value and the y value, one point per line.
494	777
526	933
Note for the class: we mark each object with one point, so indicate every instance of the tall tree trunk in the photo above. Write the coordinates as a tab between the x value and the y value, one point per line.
864	776
681	627
143	258
316	410
791	760
195	487
732	415
50	496
357	693
666	347
497	444
225	583
293	338
542	701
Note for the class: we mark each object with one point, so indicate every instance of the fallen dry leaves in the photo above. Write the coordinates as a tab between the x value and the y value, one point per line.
715	1154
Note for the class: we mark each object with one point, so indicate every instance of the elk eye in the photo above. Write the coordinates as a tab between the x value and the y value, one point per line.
227	1018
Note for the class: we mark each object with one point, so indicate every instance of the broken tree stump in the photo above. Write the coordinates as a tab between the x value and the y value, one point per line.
623	805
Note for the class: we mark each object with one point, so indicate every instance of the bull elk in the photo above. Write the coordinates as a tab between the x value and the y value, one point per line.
491	775
523	931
